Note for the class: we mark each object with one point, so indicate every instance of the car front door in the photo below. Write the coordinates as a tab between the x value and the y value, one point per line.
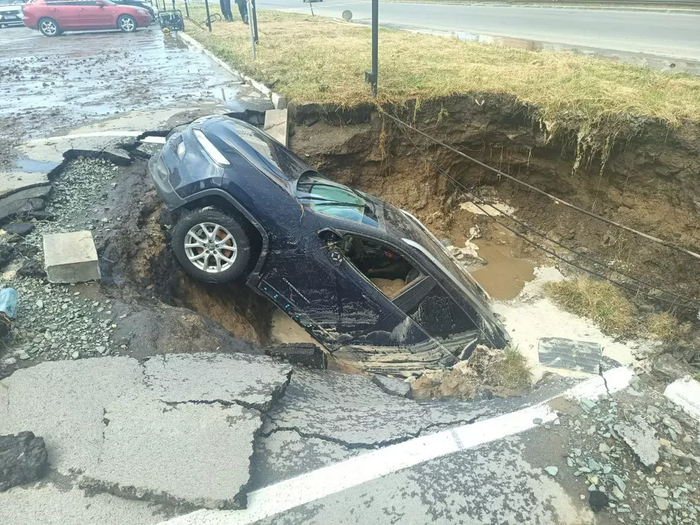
95	14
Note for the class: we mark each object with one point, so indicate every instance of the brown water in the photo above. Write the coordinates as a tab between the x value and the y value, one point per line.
504	276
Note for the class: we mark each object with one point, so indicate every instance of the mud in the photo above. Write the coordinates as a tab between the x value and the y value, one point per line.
142	265
641	173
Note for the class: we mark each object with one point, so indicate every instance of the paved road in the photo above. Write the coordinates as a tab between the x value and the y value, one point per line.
651	32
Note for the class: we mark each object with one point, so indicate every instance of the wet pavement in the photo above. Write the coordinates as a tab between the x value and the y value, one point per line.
53	84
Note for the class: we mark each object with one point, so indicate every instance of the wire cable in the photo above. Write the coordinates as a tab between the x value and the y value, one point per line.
542	192
687	304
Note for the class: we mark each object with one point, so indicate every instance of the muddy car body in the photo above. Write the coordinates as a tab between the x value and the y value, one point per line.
363	277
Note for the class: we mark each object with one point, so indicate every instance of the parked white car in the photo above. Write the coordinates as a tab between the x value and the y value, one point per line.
10	13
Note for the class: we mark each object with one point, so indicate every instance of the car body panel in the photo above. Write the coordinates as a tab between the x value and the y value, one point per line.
74	15
305	267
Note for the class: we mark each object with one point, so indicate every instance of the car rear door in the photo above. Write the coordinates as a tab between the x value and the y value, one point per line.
65	13
94	16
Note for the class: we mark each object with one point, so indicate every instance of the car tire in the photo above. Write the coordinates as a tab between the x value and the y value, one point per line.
126	23
203	257
49	27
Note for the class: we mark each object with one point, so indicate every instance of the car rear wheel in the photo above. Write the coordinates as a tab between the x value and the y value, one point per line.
126	23
49	27
212	245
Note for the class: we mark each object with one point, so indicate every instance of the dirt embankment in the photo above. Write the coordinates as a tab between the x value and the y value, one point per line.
641	173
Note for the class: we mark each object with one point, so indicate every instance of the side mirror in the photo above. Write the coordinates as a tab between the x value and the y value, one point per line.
330	236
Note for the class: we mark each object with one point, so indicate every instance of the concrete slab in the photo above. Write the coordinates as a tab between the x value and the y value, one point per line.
189	453
64	401
249	380
276	125
71	257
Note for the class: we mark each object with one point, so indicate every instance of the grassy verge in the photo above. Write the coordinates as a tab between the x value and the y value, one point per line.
614	314
314	59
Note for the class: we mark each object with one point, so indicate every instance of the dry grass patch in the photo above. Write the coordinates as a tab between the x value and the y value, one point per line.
314	59
512	372
666	327
599	301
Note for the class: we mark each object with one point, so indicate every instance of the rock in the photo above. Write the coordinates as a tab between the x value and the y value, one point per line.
7	253
305	354
597	500
664	442
75	355
23	355
661	492
662	503
687	439
537	421
641	438
603	448
19	228
392	386
619	495
32	268
551	470
672	424
23	459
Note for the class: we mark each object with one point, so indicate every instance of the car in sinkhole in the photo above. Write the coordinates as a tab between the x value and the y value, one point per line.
364	278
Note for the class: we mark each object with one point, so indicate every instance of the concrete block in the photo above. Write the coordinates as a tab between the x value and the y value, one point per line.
276	124
71	257
558	352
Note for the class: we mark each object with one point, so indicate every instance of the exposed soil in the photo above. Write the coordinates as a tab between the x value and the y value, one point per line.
646	179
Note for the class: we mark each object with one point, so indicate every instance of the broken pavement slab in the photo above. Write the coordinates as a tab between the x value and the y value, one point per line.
559	352
641	438
19	190
71	257
685	393
179	428
190	453
277	125
249	380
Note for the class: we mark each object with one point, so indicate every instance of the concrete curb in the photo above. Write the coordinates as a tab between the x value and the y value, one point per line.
278	100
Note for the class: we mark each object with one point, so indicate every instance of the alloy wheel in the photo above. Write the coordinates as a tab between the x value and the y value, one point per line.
127	24
48	27
210	247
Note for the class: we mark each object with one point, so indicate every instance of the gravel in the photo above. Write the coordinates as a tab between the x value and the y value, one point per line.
62	321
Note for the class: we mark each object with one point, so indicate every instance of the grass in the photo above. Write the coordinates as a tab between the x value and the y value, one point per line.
511	371
314	59
666	327
599	301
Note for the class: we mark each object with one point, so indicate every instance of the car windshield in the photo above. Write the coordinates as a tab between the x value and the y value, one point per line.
337	200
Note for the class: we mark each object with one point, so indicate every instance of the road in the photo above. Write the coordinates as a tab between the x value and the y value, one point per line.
659	33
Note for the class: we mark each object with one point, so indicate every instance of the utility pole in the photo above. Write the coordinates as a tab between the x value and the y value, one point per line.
187	9
255	21
206	5
372	76
250	26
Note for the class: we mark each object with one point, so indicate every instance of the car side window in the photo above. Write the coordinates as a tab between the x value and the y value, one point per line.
384	267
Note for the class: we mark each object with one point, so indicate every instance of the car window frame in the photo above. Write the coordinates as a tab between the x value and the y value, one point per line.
395	247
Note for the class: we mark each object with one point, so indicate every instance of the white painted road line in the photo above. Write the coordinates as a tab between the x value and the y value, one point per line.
291	493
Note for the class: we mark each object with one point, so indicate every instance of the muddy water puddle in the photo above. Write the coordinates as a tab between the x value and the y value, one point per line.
503	276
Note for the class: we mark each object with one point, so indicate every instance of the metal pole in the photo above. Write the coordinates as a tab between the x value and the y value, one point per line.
371	76
173	5
255	21
187	9
206	5
250	26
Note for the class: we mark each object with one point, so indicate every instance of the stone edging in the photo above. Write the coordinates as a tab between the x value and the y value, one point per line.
278	100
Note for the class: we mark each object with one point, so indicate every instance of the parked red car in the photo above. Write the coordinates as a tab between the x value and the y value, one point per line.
53	17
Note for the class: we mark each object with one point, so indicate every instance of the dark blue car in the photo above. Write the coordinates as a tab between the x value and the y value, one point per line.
364	278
